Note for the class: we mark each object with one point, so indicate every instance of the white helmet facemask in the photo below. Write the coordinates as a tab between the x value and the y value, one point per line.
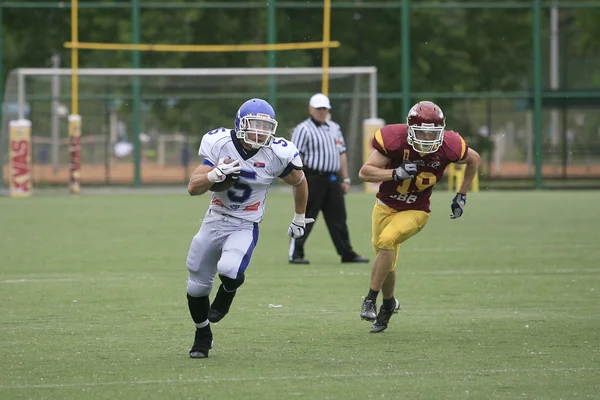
257	130
425	138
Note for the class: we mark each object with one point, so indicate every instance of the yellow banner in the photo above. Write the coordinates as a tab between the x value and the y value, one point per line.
370	126
19	171
74	153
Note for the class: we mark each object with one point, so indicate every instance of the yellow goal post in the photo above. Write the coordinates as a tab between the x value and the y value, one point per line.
75	45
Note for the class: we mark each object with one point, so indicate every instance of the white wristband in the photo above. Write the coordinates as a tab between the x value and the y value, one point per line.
213	177
299	218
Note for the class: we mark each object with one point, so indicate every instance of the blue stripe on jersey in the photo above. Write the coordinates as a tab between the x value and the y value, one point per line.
245	173
248	255
206	162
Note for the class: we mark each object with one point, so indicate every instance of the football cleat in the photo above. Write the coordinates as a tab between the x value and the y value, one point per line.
368	311
383	317
203	342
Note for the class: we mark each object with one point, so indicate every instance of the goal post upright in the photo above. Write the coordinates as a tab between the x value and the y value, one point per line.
272	55
326	37
74	117
136	95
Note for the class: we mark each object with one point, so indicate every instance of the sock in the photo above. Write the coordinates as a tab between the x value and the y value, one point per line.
389	303
372	294
199	310
223	299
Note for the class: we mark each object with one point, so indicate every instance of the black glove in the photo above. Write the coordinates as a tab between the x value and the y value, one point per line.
458	205
407	170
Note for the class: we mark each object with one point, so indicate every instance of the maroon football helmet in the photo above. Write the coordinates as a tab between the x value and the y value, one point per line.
426	123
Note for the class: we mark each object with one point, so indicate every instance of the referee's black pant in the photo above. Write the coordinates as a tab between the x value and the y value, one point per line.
325	194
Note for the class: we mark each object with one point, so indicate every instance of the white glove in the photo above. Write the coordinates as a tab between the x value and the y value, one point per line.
220	172
296	229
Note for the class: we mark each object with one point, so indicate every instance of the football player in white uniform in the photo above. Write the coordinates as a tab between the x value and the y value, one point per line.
229	231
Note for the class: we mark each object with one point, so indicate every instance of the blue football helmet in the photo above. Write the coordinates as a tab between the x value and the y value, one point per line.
255	123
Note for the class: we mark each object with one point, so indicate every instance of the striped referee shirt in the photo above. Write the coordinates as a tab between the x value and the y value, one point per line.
319	144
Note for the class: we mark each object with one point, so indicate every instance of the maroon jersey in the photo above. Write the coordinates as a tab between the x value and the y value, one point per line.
414	194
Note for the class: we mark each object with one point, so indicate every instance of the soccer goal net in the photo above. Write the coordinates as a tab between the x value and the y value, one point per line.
177	107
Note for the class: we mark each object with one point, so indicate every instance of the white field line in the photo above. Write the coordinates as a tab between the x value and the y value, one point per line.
514	315
334	273
211	379
45	280
474	272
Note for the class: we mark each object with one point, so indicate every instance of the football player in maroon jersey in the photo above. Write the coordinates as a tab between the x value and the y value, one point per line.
408	160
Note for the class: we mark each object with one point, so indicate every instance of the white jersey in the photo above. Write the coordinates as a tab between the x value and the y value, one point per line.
246	199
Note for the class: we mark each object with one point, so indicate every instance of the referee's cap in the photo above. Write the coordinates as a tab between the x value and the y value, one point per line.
319	100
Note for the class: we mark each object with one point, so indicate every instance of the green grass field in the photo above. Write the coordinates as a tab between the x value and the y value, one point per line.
501	304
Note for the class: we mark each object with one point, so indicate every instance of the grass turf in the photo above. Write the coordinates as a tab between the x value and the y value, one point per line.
502	303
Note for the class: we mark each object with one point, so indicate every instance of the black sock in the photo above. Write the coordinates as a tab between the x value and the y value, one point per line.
389	303
198	308
372	294
223	300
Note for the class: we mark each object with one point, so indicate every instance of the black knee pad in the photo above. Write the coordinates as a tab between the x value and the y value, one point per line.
232	284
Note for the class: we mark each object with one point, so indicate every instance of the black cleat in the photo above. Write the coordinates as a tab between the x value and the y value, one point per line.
199	353
356	259
299	260
202	343
368	311
383	317
215	316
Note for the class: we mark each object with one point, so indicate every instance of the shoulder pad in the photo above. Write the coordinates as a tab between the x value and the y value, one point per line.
217	133
283	148
286	151
390	138
456	145
210	139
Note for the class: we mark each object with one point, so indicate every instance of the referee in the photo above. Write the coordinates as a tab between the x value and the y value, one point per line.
321	145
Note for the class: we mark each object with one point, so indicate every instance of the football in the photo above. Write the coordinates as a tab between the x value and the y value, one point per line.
229	181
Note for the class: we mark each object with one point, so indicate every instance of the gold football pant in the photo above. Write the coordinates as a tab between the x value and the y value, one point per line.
392	227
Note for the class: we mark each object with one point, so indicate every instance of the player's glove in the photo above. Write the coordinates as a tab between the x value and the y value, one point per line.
458	205
407	170
298	225
220	172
